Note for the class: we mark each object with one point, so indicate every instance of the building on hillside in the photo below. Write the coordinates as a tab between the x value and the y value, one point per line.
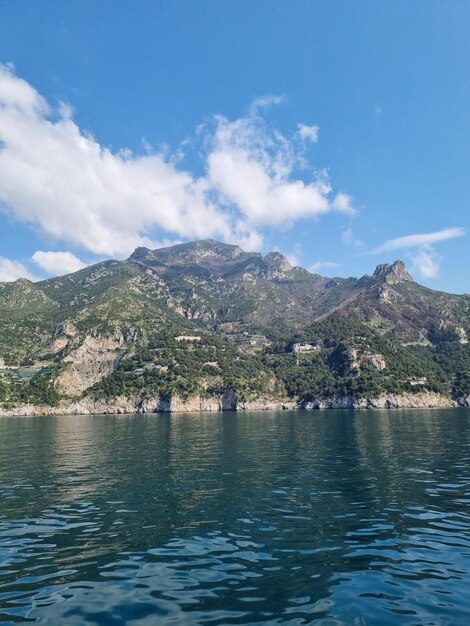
297	348
188	338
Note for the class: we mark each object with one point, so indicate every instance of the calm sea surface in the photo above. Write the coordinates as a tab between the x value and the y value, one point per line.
292	518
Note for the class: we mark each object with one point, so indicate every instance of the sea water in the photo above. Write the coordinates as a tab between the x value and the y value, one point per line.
327	518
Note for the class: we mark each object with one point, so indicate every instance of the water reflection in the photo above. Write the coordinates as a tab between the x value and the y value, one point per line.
276	518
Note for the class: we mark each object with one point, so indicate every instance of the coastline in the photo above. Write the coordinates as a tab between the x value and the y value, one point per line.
228	402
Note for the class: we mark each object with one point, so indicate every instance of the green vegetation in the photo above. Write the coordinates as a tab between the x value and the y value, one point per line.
38	390
343	365
377	334
166	366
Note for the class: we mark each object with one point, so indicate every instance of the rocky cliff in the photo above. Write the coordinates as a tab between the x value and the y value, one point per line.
124	405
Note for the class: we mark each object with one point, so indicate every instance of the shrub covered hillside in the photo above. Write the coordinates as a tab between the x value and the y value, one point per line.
205	317
350	358
196	364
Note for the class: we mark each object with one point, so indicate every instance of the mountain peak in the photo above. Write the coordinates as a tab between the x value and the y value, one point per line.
212	247
139	253
208	254
392	274
278	266
191	251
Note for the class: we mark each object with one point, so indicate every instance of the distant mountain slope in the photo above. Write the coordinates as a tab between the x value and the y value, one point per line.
113	328
397	306
223	284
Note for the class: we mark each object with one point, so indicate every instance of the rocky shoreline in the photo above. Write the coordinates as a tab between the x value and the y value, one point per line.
229	402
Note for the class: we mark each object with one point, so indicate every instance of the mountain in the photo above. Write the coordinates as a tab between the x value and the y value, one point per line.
208	320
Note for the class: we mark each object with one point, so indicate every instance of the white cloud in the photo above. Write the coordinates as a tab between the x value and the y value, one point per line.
417	241
322	265
252	169
59	180
342	203
18	94
55	177
426	262
12	270
264	102
57	263
419	248
308	133
348	238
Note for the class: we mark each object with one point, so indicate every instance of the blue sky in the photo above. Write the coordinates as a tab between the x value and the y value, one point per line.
336	132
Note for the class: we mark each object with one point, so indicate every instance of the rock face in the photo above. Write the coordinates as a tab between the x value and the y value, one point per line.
88	363
375	360
278	267
424	400
63	336
464	402
393	274
194	404
228	402
356	359
266	405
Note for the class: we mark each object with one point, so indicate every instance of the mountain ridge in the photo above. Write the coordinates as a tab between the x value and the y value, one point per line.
113	328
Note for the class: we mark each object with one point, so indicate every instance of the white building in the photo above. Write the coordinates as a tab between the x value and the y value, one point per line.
305	347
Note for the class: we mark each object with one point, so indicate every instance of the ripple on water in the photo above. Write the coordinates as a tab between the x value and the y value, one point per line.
288	518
